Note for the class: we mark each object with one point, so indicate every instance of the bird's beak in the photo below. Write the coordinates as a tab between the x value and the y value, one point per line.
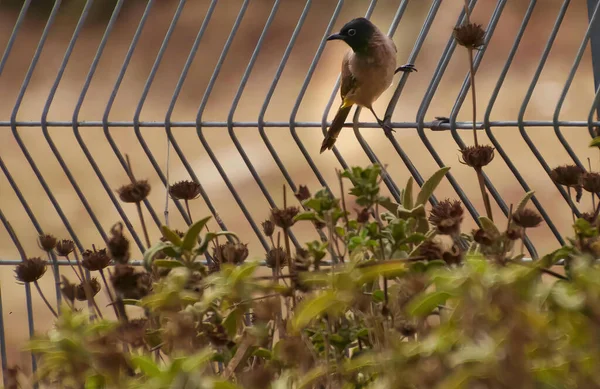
335	37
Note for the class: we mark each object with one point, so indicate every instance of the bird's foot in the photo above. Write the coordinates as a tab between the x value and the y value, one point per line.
408	68
387	129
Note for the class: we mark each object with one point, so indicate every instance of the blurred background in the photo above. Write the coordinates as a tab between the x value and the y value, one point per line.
217	106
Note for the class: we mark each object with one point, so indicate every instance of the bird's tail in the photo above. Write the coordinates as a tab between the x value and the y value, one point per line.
336	127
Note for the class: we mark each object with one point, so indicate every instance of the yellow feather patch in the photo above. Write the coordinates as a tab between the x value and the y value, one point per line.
347	103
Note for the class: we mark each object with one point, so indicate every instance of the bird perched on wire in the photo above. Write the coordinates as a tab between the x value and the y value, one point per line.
367	71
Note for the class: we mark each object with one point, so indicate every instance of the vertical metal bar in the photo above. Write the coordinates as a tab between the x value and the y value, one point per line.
140	106
199	130
2	337
527	99
174	98
439	72
111	100
302	92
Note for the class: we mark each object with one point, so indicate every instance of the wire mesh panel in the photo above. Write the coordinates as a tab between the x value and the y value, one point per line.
236	95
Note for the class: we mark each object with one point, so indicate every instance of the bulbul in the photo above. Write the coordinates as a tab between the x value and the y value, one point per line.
367	71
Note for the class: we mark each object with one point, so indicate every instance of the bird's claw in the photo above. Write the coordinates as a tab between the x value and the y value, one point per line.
387	129
408	68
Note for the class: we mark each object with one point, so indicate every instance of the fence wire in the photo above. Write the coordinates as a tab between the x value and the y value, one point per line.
18	129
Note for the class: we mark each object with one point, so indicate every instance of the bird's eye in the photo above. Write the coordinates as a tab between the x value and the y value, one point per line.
351	32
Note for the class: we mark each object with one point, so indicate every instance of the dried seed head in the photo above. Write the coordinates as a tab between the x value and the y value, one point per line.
303	193
482	237
447	217
95	260
363	215
431	250
284	218
68	289
274	255
118	244
453	256
302	260
268	228
257	377
527	218
130	284
30	270
234	253
477	156
135	192
80	289
513	233
185	190
591	182
47	242
266	309
64	247
567	175
470	35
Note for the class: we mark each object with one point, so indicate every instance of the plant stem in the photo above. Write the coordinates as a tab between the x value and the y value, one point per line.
187	207
141	215
110	295
37	286
86	286
74	270
571	204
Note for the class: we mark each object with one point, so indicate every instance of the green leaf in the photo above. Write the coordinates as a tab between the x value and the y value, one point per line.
430	185
231	322
595	142
378	296
424	304
390	205
131	302
488	226
312	375
191	236
311	308
146	365
95	381
407	199
263	353
171	236
524	201
309	215
360	363
195	362
210	236
567	296
167	263
243	272
387	269
151	253
222	384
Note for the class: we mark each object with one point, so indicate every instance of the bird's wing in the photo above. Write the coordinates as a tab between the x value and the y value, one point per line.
349	83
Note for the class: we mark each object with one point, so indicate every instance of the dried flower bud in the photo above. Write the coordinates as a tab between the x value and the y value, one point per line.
234	253
453	256
130	284
477	156
527	218
276	255
284	218
80	289
591	182
95	260
118	244
513	233
470	35
363	215
68	289
258	377
431	250
185	190
447	217
266	309
303	193
268	228
64	247
302	260
567	175
135	192
482	237
47	242
30	270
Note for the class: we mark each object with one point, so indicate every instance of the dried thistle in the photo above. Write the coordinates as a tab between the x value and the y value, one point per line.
274	255
567	175
453	256
47	242
130	284
95	260
303	193
30	270
234	253
591	182
527	218
65	247
268	228
482	237
431	250
135	192
447	217
513	233
477	156
185	190
118	244
284	218
80	289
68	289
470	35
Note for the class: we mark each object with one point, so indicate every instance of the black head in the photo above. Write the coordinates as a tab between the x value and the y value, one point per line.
356	33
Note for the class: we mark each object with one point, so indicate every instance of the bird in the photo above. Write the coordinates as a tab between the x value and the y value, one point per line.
368	70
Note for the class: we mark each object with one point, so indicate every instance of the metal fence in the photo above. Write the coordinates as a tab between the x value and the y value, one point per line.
15	129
